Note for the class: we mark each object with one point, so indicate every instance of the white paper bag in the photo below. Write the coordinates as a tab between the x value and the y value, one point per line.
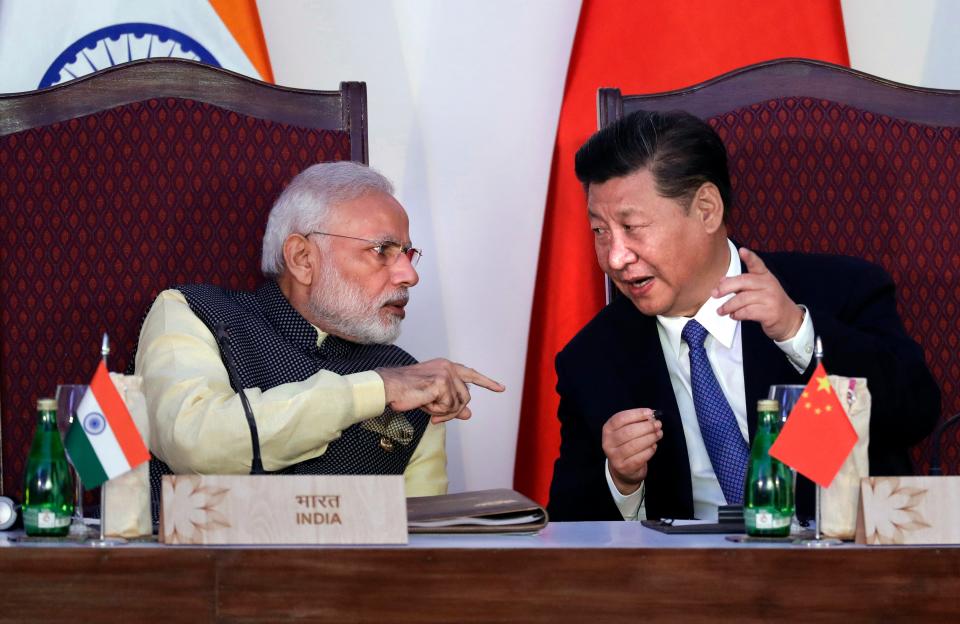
127	497
839	502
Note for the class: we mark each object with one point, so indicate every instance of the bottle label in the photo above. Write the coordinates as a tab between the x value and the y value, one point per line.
764	519
45	519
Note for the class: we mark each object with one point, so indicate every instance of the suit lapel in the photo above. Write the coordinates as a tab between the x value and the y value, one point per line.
642	368
764	364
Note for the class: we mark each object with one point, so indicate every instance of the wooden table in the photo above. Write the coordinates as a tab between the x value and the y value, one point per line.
578	572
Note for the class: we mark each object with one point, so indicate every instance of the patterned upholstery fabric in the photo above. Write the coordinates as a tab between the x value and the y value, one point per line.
100	213
814	175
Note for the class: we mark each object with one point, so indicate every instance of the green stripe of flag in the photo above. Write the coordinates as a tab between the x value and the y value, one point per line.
84	458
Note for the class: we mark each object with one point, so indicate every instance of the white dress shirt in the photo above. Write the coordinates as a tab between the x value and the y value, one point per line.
725	352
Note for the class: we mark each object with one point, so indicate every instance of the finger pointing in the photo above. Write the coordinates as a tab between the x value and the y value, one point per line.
469	375
754	263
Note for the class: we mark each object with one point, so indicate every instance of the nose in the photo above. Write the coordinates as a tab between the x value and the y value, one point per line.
403	273
619	254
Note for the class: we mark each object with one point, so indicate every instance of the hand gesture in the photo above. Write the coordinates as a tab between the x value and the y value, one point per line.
760	297
438	387
629	440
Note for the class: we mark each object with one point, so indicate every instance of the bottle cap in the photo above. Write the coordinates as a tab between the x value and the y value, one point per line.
46	405
768	405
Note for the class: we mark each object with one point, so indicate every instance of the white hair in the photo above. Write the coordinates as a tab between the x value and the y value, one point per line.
306	202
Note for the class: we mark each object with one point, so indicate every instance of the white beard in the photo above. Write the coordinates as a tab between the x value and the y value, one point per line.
343	308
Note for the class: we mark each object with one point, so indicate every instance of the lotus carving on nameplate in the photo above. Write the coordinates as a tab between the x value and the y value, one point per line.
195	509
894	511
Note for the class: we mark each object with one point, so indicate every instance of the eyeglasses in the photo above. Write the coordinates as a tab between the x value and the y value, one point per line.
387	250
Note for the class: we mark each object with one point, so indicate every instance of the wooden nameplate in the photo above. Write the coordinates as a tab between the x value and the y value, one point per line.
909	510
283	509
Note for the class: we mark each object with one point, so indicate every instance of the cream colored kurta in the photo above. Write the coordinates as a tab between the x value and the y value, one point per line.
197	423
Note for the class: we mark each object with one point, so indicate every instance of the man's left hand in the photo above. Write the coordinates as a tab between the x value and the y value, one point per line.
758	296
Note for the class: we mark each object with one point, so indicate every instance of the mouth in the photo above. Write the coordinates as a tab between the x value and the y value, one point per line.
639	286
396	307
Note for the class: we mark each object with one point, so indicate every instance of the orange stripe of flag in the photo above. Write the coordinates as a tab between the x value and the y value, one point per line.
116	413
243	21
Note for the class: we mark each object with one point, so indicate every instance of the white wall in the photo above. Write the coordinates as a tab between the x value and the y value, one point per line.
915	42
463	101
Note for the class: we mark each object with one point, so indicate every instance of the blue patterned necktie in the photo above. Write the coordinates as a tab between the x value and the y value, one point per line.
726	447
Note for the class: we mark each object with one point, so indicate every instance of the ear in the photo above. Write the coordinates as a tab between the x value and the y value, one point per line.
708	206
299	258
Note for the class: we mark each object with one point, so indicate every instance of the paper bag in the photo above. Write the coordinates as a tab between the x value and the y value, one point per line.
127	497
840	501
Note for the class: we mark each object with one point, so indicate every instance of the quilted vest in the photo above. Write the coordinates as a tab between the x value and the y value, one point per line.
272	344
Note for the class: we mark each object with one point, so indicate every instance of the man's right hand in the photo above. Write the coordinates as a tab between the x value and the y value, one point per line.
629	440
438	387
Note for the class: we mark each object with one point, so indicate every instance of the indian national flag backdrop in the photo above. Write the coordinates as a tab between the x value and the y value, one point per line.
51	42
103	441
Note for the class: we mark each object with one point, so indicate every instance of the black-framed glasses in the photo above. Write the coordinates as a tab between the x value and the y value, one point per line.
387	250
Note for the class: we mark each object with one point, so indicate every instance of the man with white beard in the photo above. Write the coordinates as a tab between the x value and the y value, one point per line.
300	376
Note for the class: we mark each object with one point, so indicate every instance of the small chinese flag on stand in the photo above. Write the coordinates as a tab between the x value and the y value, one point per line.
103	440
818	435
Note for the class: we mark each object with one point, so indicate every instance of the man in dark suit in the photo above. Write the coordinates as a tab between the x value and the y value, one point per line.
658	391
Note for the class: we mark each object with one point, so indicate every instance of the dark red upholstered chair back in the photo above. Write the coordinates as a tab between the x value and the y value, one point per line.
123	183
827	159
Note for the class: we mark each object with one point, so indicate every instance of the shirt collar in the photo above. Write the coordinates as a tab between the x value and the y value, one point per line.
722	328
321	335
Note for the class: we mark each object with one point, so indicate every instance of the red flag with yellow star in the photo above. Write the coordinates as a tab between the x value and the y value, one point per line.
818	435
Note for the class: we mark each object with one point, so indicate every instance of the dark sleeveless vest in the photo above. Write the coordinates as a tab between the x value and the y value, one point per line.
273	344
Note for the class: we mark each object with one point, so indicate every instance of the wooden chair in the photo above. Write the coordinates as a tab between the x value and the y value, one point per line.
122	183
827	159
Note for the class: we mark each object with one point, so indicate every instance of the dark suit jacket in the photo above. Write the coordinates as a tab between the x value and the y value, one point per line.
616	362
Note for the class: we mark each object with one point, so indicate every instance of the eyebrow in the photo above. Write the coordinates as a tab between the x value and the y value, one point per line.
390	238
620	214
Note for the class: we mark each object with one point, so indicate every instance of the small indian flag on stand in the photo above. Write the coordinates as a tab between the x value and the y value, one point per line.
103	440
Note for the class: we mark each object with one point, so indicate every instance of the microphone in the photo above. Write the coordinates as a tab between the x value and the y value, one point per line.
938	442
223	338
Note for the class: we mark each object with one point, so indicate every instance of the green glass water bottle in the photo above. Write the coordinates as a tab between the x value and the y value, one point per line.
768	492
48	490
